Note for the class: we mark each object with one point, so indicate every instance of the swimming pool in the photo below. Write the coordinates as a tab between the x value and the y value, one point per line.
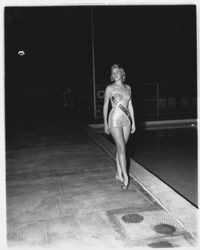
170	153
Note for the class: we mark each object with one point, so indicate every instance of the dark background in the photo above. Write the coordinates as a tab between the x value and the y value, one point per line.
154	45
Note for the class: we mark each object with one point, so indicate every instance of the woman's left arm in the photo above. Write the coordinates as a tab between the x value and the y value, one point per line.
131	111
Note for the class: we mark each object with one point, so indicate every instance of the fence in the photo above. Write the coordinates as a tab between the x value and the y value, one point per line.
158	101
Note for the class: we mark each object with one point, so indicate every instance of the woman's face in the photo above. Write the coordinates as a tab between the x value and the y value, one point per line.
116	74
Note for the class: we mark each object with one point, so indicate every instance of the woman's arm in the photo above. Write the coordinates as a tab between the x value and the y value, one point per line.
131	111
105	108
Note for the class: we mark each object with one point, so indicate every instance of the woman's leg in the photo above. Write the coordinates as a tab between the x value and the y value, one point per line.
118	136
126	131
119	171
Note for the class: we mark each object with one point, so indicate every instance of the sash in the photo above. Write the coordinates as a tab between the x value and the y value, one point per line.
121	107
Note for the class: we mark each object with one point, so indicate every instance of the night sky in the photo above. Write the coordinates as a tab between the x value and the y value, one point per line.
152	43
57	41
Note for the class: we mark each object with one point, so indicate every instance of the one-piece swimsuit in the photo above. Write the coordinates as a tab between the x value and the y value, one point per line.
117	117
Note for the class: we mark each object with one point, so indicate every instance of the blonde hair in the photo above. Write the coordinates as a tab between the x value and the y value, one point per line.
123	74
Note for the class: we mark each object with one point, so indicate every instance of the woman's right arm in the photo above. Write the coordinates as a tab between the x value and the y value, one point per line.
105	109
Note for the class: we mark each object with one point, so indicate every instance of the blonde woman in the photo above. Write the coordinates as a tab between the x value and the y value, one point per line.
121	121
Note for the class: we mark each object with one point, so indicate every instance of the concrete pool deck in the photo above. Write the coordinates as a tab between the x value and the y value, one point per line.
179	207
61	193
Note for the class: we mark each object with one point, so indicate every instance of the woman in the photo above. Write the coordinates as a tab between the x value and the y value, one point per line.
120	122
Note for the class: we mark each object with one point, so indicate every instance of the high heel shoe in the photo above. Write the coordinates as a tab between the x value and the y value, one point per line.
125	187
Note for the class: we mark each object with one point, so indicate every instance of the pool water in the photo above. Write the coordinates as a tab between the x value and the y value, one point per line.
171	155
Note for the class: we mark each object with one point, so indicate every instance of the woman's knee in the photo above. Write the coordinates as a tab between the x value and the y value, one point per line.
121	149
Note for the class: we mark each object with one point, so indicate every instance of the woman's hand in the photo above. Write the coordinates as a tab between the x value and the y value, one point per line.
133	128
106	129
